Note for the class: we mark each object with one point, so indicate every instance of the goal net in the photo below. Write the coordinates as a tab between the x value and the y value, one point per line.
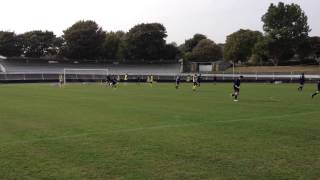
84	75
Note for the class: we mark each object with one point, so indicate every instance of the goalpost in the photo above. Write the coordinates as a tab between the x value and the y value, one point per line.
83	75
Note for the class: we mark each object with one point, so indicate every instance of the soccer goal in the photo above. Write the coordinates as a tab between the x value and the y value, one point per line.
84	75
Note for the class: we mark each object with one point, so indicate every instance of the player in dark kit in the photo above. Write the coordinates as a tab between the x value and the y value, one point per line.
198	80
114	82
138	79
317	91
236	88
301	81
214	79
111	81
177	82
108	80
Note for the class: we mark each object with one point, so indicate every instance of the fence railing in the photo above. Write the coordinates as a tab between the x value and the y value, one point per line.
287	77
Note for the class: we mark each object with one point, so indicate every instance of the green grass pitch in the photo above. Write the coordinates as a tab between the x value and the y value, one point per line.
138	132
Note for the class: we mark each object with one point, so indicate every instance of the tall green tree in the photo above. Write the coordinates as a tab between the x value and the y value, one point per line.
239	45
260	51
206	50
309	50
84	40
286	25
111	45
191	43
315	46
9	44
37	43
56	49
145	42
304	49
171	52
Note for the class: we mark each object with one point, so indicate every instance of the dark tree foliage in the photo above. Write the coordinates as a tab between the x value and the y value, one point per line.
84	40
309	50
171	52
145	42
304	49
111	45
260	51
239	45
315	46
191	43
287	26
9	44
37	43
56	49
206	50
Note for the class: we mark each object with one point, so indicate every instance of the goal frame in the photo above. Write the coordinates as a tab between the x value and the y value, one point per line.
65	73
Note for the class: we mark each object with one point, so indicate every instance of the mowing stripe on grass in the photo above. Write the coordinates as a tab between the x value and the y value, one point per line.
153	128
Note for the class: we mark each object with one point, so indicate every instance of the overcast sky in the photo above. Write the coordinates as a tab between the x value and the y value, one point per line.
182	18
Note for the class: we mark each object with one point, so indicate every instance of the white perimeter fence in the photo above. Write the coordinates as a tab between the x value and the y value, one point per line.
92	76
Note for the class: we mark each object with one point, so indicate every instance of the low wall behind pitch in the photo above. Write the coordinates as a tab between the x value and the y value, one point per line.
163	77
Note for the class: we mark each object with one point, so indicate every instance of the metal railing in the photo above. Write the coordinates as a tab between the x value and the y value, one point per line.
45	76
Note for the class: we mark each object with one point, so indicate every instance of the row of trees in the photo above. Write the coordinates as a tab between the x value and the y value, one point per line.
85	40
29	44
285	36
200	48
